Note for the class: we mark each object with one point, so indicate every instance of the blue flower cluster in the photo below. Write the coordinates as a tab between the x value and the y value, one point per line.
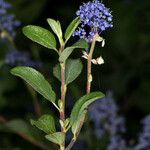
144	136
103	113
15	58
95	18
117	143
7	21
105	120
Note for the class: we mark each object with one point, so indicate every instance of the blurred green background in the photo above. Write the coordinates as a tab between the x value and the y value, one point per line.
126	70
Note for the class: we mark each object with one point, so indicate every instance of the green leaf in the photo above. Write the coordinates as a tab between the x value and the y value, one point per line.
66	122
41	36
73	69
81	43
45	123
71	28
18	126
36	80
80	106
76	127
56	27
57	138
57	72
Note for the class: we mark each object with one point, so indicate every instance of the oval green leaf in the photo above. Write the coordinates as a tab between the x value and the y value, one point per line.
56	27
45	123
81	43
57	137
81	105
41	36
72	71
36	80
71	28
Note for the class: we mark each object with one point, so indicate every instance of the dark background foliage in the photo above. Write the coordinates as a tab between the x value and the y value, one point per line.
126	70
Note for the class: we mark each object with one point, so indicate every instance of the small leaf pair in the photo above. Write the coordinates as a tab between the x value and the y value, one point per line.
56	27
46	38
46	123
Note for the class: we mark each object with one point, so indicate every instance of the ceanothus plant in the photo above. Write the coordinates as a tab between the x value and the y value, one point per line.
94	17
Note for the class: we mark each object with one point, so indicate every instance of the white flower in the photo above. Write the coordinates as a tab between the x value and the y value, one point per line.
98	61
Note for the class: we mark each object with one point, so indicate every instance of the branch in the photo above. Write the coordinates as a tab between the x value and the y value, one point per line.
3	120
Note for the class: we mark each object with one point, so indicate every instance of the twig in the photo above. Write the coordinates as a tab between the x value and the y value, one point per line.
3	120
88	88
63	94
70	144
31	140
63	91
62	109
78	132
89	74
